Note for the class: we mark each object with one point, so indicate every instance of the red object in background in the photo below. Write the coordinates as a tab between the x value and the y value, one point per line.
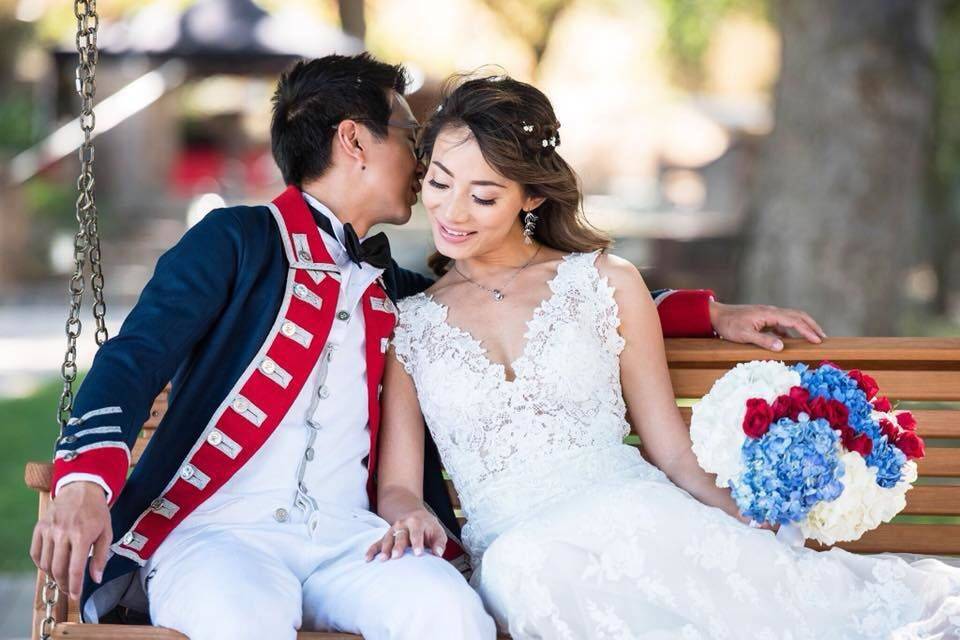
196	168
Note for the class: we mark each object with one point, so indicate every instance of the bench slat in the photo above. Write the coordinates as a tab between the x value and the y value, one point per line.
934	539
898	385
840	350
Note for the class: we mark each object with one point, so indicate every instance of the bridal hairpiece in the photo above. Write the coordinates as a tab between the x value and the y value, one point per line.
543	138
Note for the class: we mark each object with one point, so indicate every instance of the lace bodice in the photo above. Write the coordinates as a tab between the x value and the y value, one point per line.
564	408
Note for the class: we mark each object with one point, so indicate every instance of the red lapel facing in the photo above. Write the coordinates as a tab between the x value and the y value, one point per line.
380	318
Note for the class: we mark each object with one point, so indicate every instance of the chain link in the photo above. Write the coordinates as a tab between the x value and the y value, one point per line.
86	247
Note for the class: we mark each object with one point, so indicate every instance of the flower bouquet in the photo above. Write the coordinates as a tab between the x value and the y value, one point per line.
815	450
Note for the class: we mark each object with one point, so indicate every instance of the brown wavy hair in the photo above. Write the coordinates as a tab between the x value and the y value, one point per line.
510	120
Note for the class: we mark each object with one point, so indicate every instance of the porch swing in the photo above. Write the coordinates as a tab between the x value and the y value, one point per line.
924	373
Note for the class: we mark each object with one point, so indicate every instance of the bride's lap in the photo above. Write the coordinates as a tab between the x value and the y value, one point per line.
649	556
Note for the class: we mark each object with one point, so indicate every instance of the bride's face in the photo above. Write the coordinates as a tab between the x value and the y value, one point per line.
473	209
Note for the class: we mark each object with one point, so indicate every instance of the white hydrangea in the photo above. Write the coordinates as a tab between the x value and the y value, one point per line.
862	506
716	426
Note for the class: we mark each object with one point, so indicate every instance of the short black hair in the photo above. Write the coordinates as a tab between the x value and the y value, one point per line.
313	96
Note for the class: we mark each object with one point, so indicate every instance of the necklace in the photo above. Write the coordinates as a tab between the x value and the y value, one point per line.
498	293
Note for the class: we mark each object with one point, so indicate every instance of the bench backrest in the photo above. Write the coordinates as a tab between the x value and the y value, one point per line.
920	374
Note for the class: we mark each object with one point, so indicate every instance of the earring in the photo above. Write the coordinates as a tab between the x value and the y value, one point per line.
529	224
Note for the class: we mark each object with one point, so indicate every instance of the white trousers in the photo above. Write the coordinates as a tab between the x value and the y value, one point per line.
267	579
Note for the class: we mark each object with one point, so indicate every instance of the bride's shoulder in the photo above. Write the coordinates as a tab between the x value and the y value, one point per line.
621	274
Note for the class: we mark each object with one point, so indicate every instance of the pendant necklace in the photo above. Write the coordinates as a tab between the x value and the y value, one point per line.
498	293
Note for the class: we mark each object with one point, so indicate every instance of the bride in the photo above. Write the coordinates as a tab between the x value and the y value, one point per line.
531	358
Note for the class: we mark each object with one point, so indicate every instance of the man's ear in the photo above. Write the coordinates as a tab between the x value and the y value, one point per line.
348	140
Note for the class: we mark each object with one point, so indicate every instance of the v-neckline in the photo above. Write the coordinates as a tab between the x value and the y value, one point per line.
527	337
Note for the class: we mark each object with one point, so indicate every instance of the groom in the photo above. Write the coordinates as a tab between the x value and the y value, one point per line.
248	514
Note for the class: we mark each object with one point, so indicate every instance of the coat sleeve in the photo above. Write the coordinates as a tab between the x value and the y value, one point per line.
684	313
189	288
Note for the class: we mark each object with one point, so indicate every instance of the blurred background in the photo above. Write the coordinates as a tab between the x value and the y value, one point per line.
796	153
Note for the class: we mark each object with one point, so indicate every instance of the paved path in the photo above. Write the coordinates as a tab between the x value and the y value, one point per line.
16	603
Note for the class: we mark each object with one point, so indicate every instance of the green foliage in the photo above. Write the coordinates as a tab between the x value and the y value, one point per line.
947	125
690	25
29	429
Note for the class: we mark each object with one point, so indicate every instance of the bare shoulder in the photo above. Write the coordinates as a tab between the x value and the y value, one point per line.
622	275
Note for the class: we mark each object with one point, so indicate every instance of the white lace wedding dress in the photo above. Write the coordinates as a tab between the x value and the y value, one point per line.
574	535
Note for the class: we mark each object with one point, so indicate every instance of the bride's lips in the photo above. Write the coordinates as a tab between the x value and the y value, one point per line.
454	236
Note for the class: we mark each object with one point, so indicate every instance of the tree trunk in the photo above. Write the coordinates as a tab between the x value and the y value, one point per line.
353	18
840	192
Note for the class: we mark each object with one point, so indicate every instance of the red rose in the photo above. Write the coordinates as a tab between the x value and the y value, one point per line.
888	429
758	418
818	408
800	396
837	413
866	383
861	443
911	444
782	407
906	421
882	403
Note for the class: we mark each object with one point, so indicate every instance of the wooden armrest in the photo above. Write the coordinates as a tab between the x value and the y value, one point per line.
38	475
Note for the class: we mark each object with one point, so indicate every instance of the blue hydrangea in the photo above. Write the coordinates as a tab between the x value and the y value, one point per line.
830	382
794	466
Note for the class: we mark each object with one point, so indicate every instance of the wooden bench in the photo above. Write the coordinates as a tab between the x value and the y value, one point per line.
922	374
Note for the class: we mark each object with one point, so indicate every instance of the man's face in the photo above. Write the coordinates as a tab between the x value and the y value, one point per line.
393	170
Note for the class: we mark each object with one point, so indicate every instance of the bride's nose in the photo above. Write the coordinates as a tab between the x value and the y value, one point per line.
454	212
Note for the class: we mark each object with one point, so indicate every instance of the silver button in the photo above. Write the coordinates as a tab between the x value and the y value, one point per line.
323	392
70	455
68	439
304	256
187	472
308	454
301	290
240	405
215	438
156	504
343	315
268	366
281	515
128	538
288	329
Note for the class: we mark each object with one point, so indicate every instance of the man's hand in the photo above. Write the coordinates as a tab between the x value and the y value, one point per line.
77	519
762	325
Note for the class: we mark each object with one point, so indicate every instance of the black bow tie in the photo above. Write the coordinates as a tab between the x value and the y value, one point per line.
375	250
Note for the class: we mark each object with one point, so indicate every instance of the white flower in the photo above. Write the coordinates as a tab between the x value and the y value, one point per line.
863	505
716	427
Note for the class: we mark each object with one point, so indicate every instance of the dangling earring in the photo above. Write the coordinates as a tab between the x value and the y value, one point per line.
529	224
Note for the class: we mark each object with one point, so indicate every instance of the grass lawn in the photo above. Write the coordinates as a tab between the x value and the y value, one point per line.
29	430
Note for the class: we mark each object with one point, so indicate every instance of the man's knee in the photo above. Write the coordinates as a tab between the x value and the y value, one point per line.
437	600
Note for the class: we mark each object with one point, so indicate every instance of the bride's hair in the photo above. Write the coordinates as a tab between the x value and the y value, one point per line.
517	131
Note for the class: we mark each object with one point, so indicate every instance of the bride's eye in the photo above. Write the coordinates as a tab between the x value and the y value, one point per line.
436	185
485	203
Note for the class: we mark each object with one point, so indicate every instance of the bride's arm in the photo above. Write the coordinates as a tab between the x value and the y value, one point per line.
400	470
645	378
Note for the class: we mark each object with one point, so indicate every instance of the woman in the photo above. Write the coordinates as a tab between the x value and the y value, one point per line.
530	358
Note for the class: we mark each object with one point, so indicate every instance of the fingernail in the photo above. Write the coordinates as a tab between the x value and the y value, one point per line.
418	551
395	554
98	577
777	345
438	550
382	556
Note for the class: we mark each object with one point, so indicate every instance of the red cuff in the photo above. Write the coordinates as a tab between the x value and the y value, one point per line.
109	463
685	313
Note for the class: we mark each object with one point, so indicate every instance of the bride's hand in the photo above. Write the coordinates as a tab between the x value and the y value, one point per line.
419	530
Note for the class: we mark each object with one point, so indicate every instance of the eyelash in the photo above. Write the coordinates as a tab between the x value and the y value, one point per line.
485	203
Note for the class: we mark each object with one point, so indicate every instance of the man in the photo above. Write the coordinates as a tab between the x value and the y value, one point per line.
250	511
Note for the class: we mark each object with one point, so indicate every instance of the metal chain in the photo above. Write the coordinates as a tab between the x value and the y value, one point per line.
86	245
